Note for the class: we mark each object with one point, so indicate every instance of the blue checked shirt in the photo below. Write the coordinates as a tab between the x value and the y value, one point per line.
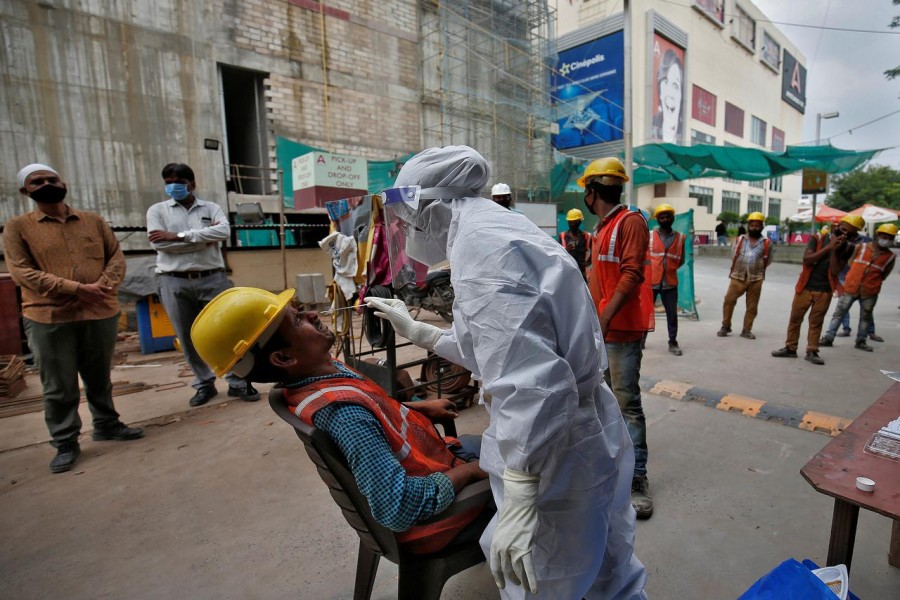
396	500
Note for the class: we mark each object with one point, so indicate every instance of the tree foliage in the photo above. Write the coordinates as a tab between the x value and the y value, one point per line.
877	184
729	217
894	24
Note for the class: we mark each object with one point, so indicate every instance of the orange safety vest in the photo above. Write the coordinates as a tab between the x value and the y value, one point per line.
767	245
807	271
411	437
671	257
866	271
636	316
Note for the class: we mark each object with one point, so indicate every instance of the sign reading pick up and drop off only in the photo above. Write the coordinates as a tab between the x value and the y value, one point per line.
321	176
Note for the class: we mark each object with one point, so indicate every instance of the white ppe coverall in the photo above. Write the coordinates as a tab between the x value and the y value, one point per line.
524	324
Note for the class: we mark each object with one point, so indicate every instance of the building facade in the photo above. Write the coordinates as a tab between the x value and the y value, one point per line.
702	71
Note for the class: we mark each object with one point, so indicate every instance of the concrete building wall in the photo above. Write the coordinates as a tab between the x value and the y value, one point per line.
109	92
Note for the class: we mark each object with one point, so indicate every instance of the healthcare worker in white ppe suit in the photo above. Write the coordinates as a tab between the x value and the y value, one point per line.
558	453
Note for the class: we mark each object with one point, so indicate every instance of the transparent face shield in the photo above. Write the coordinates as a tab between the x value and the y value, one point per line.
416	231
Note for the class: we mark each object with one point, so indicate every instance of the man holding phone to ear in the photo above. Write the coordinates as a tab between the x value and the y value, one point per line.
825	256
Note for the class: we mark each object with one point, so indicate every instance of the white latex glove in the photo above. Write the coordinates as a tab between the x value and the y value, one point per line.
514	535
421	334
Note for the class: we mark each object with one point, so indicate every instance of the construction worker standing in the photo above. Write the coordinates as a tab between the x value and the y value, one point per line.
577	242
870	266
619	265
666	256
502	195
752	255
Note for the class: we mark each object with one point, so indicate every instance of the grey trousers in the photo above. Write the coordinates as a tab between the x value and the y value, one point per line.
183	300
62	351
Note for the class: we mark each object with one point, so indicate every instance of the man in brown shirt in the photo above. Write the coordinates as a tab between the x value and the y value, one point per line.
68	264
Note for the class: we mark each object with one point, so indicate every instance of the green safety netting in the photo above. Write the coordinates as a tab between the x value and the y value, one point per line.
684	223
658	163
381	173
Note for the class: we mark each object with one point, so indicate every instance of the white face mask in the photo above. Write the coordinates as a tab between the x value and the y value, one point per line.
885	243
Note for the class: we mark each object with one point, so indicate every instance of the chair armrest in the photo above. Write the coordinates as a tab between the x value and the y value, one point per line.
470	497
448	424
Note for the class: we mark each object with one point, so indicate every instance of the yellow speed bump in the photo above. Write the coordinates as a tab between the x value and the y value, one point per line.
671	389
822	423
748	407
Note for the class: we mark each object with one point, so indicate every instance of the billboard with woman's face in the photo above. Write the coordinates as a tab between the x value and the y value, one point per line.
667	124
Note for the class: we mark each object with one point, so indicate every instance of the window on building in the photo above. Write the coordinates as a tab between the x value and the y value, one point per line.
771	52
244	104
777	140
775	184
659	190
775	208
758	184
698	137
703	195
757	131
731	201
754	203
734	120
744	28
711	9
703	107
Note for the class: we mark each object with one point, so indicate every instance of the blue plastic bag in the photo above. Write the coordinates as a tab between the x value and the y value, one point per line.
788	581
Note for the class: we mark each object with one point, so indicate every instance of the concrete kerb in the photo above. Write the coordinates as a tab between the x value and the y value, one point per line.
816	422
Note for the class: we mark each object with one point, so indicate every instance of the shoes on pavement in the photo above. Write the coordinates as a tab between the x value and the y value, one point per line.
844	333
203	395
827	342
875	337
674	349
119	432
65	458
813	357
246	392
640	497
862	345
748	334
724	331
785	353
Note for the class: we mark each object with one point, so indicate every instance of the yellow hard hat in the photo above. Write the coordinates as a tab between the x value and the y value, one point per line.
889	228
233	322
663	208
854	221
610	170
574	215
756	216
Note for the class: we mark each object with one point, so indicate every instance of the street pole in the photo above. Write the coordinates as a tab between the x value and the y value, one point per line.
819	117
626	109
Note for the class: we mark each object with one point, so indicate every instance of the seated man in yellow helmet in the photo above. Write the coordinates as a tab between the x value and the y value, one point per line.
404	468
577	242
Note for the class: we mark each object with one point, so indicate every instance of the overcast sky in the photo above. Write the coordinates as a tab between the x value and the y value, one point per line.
845	70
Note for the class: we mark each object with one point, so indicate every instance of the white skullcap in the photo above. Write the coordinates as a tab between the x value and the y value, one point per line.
26	171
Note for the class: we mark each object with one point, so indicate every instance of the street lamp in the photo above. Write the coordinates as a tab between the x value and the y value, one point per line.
819	117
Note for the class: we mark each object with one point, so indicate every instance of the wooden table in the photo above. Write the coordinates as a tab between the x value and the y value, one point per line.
833	471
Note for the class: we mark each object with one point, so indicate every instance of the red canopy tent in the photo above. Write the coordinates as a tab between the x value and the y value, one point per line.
826	214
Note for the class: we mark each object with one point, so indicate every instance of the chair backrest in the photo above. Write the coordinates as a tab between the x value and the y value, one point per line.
333	470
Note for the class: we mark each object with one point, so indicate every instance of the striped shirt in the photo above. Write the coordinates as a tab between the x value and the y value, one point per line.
50	257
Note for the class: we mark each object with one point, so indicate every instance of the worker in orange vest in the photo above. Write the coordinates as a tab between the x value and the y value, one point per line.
750	259
666	256
619	268
870	266
576	241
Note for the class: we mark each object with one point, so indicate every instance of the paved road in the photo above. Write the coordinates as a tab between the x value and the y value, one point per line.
848	382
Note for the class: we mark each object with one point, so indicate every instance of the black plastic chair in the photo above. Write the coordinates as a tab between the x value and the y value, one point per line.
422	576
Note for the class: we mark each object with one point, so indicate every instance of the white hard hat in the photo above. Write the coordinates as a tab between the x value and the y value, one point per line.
500	189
